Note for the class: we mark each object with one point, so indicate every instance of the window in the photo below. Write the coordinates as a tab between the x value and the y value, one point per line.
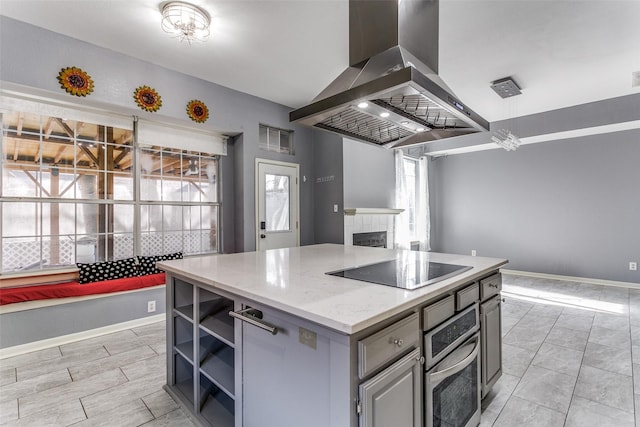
277	140
178	201
68	194
411	176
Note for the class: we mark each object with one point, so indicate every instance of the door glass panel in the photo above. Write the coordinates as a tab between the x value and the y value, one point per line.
277	202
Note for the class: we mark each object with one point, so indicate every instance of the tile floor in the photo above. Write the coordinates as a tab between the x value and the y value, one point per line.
571	357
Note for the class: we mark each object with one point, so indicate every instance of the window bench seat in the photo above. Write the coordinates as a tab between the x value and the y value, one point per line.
75	289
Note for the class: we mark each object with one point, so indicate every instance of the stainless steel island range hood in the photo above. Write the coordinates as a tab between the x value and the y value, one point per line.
391	95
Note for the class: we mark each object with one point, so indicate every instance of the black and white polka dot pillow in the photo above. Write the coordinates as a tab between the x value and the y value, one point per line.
107	270
147	264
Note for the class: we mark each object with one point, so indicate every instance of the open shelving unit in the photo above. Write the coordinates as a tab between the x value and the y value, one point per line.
202	375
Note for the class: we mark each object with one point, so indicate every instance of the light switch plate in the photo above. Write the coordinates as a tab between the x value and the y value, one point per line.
635	79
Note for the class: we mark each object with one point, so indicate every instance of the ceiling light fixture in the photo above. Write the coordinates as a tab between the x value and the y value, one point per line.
185	21
363	105
505	139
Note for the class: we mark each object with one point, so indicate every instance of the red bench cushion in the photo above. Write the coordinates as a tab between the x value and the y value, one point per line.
75	289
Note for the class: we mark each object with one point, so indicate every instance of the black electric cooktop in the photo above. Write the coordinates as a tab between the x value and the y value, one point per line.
410	271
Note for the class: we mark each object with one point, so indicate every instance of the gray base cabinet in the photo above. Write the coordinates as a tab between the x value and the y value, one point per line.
394	396
491	331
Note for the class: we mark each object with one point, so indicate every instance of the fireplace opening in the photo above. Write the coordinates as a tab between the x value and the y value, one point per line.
375	239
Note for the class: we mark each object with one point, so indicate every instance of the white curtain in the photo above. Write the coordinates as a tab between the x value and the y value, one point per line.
403	236
423	214
401	221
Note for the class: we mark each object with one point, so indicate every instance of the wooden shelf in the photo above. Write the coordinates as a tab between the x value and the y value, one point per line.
218	408
218	367
219	325
185	349
185	311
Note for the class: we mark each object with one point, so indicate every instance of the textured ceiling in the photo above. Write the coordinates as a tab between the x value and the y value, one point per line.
561	53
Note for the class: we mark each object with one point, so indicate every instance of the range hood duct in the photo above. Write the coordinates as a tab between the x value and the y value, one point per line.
393	57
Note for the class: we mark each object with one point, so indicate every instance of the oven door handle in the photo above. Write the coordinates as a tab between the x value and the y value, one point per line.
440	375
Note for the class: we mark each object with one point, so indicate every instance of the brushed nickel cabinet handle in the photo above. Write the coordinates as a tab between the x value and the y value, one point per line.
252	316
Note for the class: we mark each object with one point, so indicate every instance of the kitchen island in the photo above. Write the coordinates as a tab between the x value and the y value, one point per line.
303	347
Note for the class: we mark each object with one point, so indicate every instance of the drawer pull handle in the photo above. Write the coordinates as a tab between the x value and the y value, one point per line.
493	285
252	316
398	342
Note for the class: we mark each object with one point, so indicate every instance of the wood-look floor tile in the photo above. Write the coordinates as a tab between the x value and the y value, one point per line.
159	348
35	385
71	359
8	411
67	412
111	398
90	344
32	358
56	396
132	413
176	418
160	403
93	367
146	367
8	376
157	328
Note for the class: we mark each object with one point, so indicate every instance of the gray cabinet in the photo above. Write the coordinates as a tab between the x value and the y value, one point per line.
298	376
491	337
393	398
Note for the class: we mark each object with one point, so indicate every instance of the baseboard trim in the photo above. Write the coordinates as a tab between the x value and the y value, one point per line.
77	336
572	278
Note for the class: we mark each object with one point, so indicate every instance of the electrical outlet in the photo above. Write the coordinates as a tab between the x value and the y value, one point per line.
151	306
633	266
473	252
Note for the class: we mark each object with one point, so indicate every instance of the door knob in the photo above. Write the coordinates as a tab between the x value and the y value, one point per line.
262	236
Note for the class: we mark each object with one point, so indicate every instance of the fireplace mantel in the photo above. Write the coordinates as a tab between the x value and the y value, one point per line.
372	211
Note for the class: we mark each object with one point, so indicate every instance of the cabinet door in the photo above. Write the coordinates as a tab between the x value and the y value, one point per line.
491	331
393	398
297	377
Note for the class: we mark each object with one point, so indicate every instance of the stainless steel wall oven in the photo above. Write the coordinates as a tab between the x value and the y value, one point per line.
452	378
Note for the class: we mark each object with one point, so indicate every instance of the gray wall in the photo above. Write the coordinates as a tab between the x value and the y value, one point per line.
328	187
27	326
369	176
32	56
564	207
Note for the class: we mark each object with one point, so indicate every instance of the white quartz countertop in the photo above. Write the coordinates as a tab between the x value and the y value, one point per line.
294	280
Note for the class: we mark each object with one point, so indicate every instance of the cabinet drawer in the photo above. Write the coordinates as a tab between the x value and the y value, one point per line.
490	286
385	346
467	296
438	312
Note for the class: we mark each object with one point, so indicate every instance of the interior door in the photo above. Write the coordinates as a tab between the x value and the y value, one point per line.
277	209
